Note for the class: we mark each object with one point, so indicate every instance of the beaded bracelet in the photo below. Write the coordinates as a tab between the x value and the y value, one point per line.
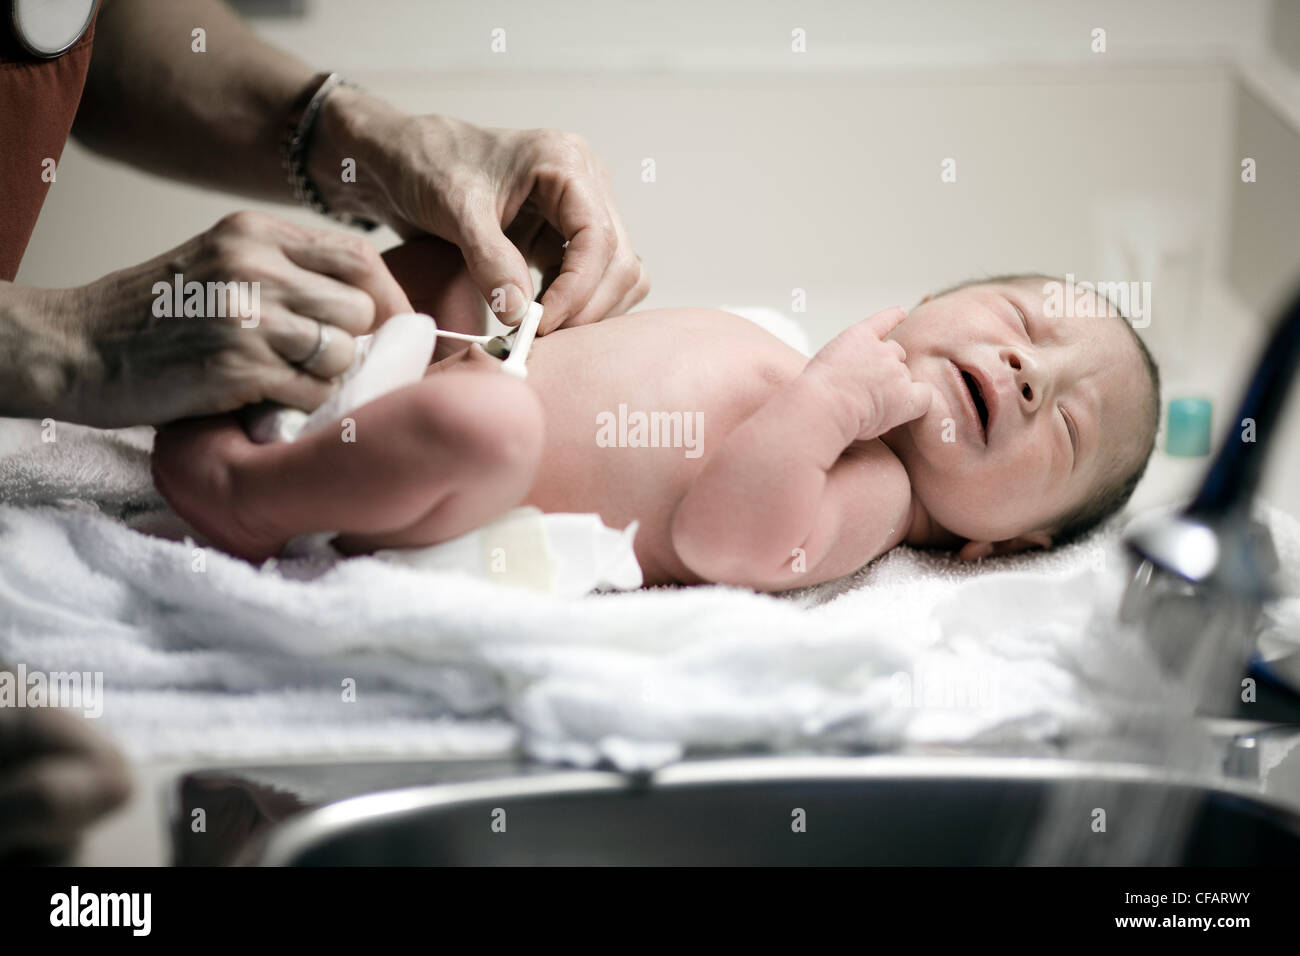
297	140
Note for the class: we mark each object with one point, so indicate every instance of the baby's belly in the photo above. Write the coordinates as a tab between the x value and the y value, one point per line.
635	406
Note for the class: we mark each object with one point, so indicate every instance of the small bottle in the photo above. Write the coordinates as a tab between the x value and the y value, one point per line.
1187	426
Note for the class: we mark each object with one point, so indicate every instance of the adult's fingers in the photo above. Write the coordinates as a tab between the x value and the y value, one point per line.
640	288
24	733
625	277
295	339
47	800
548	279
297	389
281	381
495	265
352	261
624	282
620	278
542	246
328	299
540	243
577	210
56	775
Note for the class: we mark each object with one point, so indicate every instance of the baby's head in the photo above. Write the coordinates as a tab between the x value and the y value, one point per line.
1057	431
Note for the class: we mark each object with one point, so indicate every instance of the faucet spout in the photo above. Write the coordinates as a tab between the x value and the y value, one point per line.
1201	577
1234	476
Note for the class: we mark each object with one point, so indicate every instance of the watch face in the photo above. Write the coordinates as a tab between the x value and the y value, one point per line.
46	28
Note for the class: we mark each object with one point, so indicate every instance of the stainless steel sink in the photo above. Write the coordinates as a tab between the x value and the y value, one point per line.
873	810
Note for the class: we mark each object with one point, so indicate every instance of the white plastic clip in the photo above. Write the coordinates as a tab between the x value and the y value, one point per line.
514	364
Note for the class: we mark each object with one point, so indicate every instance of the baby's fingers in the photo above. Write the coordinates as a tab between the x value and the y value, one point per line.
882	323
920	395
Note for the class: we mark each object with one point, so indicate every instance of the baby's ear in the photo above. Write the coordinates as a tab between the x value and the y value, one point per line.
974	550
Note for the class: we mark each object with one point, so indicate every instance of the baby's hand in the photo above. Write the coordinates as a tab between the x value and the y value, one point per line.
867	373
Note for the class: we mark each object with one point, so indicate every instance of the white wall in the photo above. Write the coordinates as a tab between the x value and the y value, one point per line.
818	170
778	171
829	183
674	35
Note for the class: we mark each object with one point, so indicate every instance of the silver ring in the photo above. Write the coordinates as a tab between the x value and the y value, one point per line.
322	343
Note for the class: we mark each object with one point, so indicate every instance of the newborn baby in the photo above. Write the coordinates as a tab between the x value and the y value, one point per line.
974	423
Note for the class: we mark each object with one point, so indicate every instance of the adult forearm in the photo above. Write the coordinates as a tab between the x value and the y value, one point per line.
215	117
39	354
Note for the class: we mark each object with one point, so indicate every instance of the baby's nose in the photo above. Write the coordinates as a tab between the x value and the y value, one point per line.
1028	393
1026	379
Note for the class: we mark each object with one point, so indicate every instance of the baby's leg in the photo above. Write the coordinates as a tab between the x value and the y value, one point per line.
429	462
432	273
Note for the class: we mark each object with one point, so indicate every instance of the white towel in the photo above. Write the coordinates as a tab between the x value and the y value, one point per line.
313	655
204	655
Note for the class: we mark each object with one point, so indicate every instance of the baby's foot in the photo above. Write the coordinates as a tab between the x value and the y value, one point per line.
193	464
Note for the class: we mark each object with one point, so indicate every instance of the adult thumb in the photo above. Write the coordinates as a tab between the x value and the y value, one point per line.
497	268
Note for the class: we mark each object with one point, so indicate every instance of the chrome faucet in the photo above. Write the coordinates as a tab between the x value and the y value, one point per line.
1201	577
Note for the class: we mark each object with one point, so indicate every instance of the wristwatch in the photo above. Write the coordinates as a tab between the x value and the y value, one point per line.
47	28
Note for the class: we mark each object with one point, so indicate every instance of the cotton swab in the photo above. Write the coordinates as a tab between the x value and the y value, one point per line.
517	346
466	337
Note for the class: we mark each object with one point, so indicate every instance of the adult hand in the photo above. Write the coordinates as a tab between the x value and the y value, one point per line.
506	198
103	354
57	776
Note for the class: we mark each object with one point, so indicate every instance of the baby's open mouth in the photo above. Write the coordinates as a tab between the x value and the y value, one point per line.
979	399
976	407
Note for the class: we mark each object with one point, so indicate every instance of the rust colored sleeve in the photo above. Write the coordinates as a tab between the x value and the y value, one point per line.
38	102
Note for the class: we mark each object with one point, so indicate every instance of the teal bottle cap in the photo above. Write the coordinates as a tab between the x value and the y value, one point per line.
1187	431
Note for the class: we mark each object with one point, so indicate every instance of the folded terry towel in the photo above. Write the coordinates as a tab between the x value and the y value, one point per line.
206	655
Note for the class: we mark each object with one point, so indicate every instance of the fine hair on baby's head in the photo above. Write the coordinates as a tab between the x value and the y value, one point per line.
1042	421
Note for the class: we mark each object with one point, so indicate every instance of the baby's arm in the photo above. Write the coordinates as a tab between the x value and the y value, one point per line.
789	498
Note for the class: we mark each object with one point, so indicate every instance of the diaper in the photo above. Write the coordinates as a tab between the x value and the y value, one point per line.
568	555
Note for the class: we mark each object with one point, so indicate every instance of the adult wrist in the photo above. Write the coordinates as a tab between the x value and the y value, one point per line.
348	160
42	355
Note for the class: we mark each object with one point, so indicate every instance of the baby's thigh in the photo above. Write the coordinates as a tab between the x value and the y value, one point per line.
432	273
451	453
480	417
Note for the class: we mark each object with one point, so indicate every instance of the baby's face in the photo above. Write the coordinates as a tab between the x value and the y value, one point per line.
1065	401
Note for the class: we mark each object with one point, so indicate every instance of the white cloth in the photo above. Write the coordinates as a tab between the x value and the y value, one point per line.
215	658
568	555
778	323
397	355
235	662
